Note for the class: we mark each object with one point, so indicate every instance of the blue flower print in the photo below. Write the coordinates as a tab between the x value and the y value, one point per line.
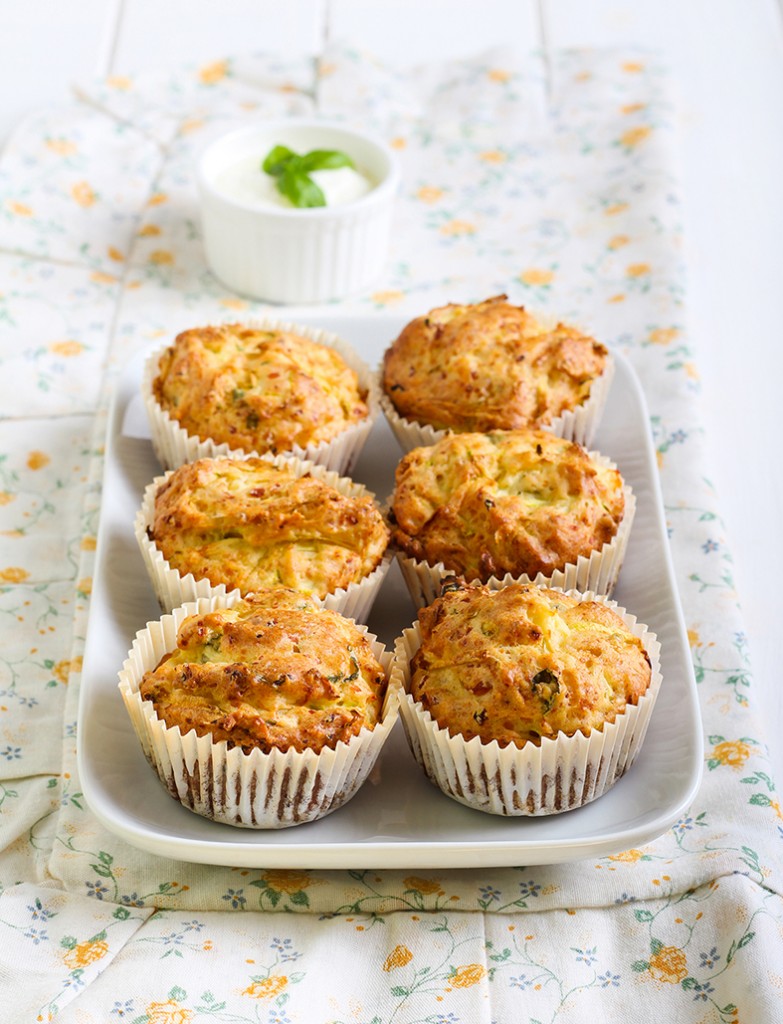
710	545
521	981
702	991
97	889
235	898
709	960
609	979
586	956
123	1009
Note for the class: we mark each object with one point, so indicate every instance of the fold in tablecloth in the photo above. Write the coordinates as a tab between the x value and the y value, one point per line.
550	181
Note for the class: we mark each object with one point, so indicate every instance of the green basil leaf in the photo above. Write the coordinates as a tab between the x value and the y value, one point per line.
277	159
325	160
300	188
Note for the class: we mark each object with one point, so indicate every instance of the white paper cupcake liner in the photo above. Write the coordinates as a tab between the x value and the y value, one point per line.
255	790
558	775
173	445
173	589
597	572
579	424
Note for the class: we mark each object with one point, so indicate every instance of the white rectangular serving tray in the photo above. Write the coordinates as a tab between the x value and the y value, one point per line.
398	819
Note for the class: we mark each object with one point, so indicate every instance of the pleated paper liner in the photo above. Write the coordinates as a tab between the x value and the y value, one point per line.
559	774
597	572
173	589
253	790
579	424
174	446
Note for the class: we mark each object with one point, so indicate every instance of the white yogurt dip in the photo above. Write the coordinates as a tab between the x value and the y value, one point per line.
246	182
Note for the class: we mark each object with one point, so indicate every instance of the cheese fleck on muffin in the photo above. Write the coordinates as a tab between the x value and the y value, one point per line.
261	390
251	525
489	366
519	502
524	662
274	672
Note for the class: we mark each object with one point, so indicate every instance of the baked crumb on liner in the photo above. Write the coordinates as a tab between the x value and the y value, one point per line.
579	424
253	790
174	446
557	775
597	572
173	589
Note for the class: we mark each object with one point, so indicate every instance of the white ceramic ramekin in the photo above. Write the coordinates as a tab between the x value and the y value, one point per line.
285	254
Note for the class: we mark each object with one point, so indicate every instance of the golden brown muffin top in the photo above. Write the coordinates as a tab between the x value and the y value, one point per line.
276	671
523	662
251	525
489	366
257	390
520	501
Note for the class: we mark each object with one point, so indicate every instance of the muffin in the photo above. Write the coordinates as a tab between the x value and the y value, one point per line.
252	523
492	366
255	388
266	713
526	700
509	505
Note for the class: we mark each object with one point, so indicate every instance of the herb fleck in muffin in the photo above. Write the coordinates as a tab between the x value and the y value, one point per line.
489	366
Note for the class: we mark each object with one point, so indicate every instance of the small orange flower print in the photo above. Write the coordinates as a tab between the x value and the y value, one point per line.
6	497
634	136
161	258
615	208
19	209
325	68
287	881
85	953
493	156
470	974
99	277
429	194
266	988
627	856
62	147
399	957
498	75
618	242
115	254
13	574
37	460
84	586
192	125
83	194
426	886
616	298
212	73
691	371
693	638
632	108
169	1012
66	348
398	142
669	964
583	76
731	752
536	275
637	269
663	335
632	67
157	199
63	669
149	231
121	82
387	297
455	228
233	303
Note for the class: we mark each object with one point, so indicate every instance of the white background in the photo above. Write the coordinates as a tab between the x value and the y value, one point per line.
727	62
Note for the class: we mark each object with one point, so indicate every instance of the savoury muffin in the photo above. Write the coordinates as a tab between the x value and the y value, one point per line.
513	689
255	523
265	713
494	366
264	387
518	503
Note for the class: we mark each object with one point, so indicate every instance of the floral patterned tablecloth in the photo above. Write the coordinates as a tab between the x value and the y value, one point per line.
551	181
